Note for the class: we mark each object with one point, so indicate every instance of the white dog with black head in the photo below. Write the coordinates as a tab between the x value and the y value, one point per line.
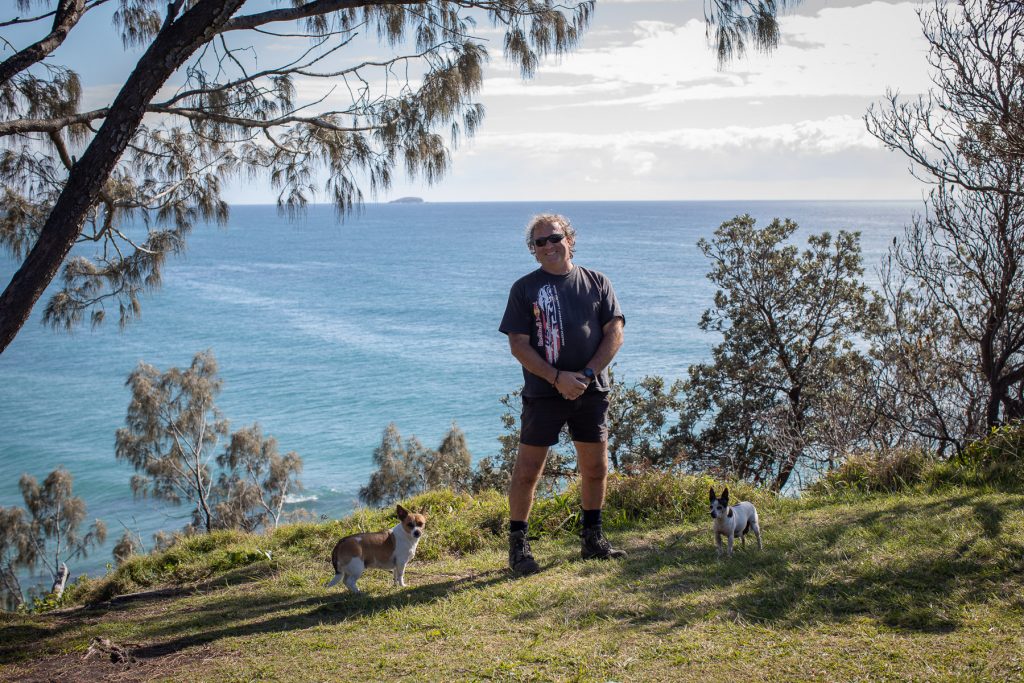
733	521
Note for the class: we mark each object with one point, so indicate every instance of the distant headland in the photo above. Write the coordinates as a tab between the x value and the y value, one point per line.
407	200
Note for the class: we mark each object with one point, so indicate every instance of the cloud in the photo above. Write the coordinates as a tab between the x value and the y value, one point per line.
846	51
831	135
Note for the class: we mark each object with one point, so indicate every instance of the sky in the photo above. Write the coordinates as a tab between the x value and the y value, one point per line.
642	111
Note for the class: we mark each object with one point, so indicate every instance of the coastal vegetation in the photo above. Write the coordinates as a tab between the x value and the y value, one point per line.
173	430
869	576
171	439
47	533
878	432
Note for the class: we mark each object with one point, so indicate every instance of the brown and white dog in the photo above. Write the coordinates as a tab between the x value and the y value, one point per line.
378	550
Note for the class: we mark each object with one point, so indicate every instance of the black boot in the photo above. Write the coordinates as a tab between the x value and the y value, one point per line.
596	546
520	559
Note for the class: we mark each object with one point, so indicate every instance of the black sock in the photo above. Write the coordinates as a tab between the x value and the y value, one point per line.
591	518
514	526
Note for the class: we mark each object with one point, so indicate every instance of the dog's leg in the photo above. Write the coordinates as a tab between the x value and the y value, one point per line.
757	532
718	542
730	541
352	573
400	575
335	580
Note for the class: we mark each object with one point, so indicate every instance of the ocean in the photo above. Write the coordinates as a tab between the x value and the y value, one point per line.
327	331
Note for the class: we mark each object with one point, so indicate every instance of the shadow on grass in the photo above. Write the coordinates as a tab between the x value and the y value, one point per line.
835	565
23	639
219	619
20	640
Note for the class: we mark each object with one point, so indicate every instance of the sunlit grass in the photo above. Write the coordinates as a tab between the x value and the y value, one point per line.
909	586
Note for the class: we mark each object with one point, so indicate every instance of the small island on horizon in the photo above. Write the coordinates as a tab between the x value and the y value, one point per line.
407	200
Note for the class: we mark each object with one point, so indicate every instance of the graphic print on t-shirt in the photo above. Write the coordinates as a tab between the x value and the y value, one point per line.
548	317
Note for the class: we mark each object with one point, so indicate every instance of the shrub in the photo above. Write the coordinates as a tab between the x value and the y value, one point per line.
996	459
889	471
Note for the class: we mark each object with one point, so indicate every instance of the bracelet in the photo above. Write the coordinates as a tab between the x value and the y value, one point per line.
554	382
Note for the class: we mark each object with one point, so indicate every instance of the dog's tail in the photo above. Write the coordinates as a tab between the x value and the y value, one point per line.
335	580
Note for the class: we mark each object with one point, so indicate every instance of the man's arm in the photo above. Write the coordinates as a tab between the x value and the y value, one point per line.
609	346
569	384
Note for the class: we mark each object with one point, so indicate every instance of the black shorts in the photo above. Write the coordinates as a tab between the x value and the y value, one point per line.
544	417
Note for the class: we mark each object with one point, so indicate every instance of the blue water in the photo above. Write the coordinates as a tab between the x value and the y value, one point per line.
326	332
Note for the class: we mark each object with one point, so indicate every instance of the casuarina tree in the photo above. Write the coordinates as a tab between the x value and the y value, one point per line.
55	516
170	439
228	89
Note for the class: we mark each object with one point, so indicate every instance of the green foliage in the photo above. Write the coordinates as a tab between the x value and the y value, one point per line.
996	460
889	471
16	551
173	428
637	423
129	544
786	377
55	516
452	467
867	587
408	468
235	111
255	481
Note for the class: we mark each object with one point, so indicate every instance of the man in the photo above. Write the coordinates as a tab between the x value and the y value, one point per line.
564	326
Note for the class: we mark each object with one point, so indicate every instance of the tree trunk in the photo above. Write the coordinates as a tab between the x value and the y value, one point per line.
60	580
782	478
175	43
797	434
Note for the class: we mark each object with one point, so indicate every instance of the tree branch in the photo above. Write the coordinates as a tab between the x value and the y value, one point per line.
66	16
174	44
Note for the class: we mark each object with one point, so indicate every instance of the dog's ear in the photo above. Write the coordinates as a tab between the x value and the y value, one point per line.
402	512
712	494
725	496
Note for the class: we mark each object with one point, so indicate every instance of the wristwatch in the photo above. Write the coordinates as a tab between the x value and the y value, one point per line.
589	374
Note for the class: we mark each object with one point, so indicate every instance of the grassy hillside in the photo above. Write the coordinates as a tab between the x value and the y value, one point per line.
905	586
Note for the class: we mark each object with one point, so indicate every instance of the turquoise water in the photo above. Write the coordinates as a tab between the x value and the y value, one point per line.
327	332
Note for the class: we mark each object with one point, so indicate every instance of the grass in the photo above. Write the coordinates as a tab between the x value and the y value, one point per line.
913	585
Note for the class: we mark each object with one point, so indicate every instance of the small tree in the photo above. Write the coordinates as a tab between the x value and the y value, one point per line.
256	480
451	466
55	516
788	322
173	430
399	469
128	545
637	418
16	551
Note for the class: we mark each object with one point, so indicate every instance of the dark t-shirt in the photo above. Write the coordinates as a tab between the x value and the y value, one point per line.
564	316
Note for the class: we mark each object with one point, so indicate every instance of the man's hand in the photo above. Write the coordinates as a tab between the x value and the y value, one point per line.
571	385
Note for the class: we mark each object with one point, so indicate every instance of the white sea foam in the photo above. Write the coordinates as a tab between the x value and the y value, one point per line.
294	499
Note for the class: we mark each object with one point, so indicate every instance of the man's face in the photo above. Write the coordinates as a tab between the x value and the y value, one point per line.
552	256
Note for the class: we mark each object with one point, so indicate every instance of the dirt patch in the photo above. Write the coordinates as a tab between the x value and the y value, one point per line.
107	661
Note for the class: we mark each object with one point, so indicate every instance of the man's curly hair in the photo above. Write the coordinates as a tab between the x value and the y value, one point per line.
555	220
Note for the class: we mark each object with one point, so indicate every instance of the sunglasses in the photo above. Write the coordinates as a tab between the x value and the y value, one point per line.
554	239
